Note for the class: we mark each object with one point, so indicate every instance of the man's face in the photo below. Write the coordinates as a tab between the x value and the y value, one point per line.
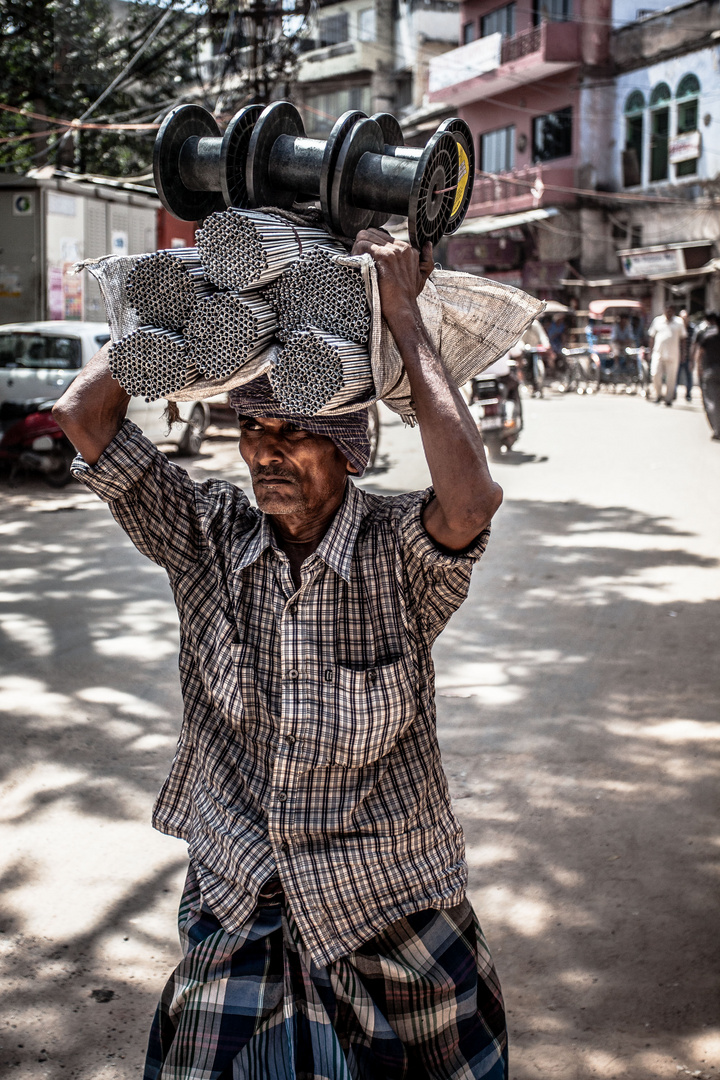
293	471
669	312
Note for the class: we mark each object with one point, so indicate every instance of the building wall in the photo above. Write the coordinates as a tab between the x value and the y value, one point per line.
705	64
518	107
597	151
626	11
676	29
416	27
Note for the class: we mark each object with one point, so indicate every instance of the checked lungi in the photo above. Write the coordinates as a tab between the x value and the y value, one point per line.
419	1001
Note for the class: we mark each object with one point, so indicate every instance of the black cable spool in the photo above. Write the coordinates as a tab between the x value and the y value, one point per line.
234	153
422	188
198	170
362	174
394	144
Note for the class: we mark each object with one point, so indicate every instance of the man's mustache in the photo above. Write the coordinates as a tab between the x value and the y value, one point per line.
263	471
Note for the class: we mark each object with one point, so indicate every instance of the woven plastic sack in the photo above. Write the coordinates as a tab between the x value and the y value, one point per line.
472	322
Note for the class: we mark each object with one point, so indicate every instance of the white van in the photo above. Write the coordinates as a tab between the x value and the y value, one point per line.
38	360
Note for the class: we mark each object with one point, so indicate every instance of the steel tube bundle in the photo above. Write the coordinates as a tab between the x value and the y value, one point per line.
241	249
227	330
315	369
319	291
152	362
164	287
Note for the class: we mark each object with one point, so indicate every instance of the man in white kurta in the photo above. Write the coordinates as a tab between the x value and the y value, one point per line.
666	334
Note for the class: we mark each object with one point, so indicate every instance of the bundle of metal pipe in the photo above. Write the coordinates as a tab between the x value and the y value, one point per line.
227	330
315	369
152	362
319	291
245	248
165	286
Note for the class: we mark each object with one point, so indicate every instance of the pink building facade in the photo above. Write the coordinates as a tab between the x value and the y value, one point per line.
517	78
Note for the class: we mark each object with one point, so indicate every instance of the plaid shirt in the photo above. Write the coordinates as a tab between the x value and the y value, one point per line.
308	747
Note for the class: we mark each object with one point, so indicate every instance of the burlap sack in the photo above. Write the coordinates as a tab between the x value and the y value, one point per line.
472	321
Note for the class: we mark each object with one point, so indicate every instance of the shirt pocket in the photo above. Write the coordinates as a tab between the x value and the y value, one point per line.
365	712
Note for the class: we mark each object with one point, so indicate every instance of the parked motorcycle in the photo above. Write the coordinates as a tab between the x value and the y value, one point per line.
532	366
579	370
32	441
497	392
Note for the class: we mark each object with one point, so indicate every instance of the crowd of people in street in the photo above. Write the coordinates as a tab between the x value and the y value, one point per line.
683	350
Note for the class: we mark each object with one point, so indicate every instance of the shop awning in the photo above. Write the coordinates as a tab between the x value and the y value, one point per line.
712	267
480	226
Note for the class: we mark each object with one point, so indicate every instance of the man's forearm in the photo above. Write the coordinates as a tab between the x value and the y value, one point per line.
466	495
92	409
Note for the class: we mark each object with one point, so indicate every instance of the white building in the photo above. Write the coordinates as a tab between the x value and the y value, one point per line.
651	134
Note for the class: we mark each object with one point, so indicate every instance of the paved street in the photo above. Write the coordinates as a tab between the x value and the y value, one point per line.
578	713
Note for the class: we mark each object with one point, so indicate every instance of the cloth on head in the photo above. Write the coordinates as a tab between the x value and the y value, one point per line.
348	431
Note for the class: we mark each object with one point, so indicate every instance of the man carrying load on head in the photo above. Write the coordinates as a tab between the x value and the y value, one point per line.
324	921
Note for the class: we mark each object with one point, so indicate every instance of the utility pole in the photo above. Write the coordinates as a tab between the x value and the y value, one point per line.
383	85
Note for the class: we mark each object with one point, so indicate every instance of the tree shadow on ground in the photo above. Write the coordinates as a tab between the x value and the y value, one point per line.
577	703
581	757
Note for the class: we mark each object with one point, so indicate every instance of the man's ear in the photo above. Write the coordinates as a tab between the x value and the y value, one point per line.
351	468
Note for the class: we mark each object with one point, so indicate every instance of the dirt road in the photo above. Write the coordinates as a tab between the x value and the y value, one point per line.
578	713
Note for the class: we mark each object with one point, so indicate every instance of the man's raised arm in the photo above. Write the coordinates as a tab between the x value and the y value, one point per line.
466	496
93	407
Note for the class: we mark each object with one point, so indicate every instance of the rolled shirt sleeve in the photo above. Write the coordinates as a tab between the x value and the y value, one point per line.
438	578
153	500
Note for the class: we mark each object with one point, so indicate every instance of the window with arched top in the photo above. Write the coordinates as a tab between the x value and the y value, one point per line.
660	94
659	131
632	159
635	102
688	104
689	86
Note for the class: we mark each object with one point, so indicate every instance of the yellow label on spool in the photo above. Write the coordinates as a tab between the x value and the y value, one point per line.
463	176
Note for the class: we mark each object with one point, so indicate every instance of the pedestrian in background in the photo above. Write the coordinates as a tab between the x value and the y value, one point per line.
707	357
666	333
621	339
685	371
556	332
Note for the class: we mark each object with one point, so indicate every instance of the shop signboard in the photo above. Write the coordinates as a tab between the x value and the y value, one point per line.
685	147
637	264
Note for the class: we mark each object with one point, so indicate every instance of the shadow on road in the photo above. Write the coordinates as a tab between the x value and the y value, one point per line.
578	717
582	758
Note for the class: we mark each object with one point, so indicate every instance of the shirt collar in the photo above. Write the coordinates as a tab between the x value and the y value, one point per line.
337	545
260	538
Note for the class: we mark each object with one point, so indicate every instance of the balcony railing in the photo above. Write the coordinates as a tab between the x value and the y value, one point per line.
523	189
513	48
488	67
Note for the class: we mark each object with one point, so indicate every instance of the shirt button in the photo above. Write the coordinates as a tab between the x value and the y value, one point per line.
282	796
293	673
290	740
285	847
328	674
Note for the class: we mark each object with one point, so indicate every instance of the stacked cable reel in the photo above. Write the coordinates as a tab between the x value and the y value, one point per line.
255	278
361	175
